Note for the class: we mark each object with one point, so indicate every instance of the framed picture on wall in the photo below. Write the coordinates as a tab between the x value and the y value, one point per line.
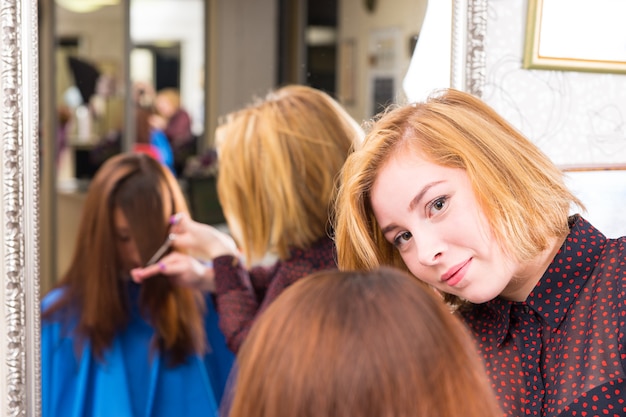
576	35
382	93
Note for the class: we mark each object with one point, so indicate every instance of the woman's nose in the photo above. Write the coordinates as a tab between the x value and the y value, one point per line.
429	246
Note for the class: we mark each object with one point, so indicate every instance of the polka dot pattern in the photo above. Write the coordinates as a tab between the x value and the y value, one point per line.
562	352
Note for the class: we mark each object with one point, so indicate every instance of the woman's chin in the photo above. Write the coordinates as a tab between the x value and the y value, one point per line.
479	298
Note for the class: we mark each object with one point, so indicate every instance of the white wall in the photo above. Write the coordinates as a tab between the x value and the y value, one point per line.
246	51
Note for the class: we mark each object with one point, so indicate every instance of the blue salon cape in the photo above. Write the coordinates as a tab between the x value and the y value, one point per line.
163	147
131	381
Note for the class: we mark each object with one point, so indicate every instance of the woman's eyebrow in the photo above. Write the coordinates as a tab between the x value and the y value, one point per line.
414	202
418	197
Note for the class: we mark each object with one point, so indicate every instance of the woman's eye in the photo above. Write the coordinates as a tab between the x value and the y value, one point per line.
402	238
437	205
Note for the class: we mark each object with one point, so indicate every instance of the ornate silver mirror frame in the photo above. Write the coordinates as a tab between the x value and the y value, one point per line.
469	27
19	179
20	374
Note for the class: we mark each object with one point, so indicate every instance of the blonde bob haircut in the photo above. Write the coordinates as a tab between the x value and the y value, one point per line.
171	95
520	191
360	344
279	159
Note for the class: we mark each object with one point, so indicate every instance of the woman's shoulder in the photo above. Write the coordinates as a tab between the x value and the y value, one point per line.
319	256
322	250
51	298
619	242
613	259
57	310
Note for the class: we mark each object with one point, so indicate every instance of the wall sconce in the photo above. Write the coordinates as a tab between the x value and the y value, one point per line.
85	6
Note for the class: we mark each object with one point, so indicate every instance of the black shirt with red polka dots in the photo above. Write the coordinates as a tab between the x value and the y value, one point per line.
562	352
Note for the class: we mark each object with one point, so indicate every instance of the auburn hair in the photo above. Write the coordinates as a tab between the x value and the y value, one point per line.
360	344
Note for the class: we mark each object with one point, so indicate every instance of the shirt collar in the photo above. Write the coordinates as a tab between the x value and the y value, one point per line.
567	274
500	309
561	283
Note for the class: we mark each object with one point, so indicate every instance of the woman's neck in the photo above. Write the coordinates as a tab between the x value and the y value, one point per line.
526	278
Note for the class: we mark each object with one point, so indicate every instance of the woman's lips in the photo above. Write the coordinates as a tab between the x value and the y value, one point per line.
455	274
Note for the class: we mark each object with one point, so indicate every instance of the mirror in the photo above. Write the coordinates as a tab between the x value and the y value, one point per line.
86	113
103	56
276	42
28	115
19	189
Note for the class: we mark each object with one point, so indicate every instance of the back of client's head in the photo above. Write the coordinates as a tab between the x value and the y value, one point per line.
343	343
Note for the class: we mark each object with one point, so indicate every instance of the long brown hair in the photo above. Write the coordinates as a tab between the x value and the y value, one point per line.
360	344
94	288
142	124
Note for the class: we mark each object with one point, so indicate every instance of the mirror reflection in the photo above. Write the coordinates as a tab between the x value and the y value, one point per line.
160	66
88	99
155	76
217	55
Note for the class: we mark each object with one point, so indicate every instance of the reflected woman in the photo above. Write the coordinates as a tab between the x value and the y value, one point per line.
111	347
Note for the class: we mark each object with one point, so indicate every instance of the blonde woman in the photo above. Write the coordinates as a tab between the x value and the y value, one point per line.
279	160
173	120
451	192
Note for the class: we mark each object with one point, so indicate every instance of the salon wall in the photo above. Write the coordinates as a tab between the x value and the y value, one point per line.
101	41
101	34
251	28
248	28
382	40
577	118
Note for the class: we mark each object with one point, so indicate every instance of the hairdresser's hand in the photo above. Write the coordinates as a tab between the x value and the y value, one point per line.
180	268
158	122
199	239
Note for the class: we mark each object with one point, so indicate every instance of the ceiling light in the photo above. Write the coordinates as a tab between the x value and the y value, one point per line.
85	6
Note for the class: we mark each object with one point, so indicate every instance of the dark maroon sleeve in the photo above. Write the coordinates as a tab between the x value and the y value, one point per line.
178	127
237	300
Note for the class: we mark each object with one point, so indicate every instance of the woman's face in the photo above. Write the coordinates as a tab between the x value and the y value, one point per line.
164	106
126	248
431	215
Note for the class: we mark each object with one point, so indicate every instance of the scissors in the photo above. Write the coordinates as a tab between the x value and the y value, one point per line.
161	251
